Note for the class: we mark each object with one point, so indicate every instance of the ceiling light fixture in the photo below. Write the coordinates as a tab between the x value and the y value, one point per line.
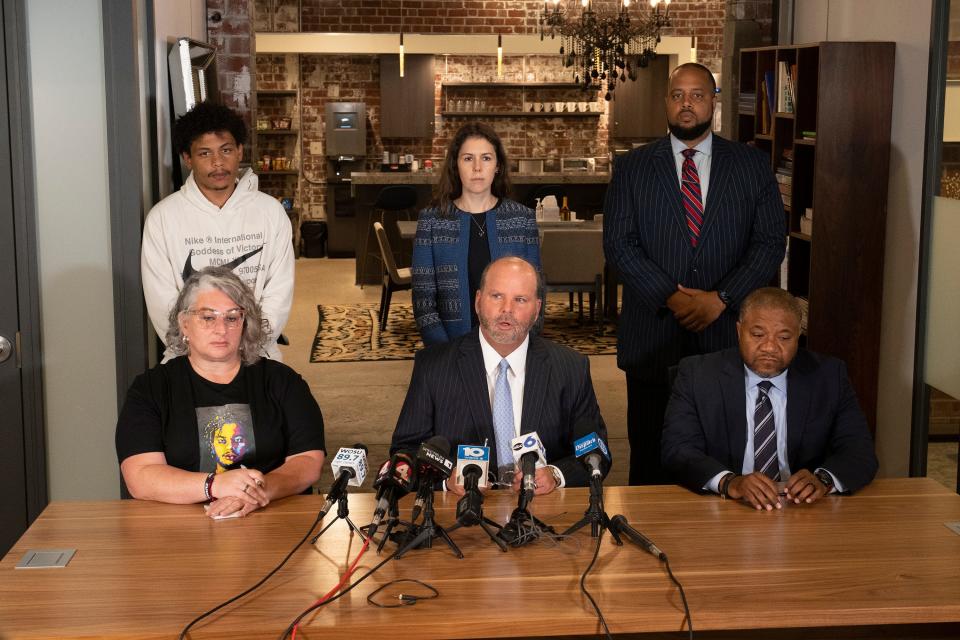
604	48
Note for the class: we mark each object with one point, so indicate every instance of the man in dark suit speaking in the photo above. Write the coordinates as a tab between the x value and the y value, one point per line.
498	381
741	421
693	224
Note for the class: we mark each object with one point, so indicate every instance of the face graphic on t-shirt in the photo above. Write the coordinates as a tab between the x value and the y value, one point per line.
230	444
226	437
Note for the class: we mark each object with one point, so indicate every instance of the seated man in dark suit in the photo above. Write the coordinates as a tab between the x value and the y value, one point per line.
740	421
498	381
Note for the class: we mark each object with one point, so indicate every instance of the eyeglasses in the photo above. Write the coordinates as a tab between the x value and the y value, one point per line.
695	97
232	318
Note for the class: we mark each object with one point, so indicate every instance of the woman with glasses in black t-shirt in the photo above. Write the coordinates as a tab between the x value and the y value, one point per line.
219	423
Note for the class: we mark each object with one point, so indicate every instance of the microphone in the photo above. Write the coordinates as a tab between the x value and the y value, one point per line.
528	453
349	467
473	455
433	465
470	506
590	449
619	524
394	481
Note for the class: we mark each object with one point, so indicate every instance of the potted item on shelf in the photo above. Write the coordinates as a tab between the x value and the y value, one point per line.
263	123
282	123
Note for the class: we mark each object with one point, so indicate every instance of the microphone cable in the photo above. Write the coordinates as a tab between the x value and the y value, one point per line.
318	604
343	581
683	597
258	584
583	583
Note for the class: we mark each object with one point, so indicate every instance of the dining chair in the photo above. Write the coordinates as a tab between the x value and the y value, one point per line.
395	279
572	260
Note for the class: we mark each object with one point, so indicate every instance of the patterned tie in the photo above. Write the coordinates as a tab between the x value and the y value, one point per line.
503	428
765	434
690	190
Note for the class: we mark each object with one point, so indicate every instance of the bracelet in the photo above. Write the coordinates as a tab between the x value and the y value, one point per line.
208	486
725	484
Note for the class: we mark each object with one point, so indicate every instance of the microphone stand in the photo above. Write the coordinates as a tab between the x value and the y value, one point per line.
595	516
343	513
472	518
423	534
393	519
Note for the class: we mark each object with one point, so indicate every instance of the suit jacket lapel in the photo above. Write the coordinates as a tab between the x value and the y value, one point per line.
536	377
666	168
798	405
474	379
733	391
720	168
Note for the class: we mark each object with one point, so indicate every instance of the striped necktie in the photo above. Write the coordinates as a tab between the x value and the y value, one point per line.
690	191
765	434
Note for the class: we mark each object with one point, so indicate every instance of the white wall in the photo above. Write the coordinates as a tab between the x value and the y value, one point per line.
907	24
73	237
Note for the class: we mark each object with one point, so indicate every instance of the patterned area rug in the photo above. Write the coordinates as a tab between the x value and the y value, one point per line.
349	333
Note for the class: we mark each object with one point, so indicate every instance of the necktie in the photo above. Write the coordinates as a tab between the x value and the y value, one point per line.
765	434
690	190
503	428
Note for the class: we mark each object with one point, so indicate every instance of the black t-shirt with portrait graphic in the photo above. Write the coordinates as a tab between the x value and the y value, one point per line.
263	415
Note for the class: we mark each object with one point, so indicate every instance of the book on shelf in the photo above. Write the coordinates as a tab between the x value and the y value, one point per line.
785	188
768	83
764	112
785	95
783	177
785	266
809	135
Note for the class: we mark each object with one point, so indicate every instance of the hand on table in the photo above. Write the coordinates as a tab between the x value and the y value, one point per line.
543	478
229	507
803	486
247	485
756	489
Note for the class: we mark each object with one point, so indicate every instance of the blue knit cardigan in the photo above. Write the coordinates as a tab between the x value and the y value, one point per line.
441	288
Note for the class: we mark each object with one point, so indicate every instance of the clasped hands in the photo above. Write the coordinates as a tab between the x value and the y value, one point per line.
761	492
543	478
695	309
237	492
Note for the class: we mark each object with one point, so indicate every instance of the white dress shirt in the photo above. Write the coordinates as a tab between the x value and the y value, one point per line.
701	160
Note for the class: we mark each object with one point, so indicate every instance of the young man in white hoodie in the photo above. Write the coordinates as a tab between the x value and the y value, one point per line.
218	217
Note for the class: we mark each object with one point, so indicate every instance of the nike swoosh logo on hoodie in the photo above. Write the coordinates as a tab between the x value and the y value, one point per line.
188	269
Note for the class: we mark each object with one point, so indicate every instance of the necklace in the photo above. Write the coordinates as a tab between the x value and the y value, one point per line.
479	226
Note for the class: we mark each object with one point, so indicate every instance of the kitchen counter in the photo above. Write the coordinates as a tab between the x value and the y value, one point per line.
424	178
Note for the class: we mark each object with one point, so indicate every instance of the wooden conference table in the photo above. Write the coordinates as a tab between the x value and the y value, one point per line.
881	563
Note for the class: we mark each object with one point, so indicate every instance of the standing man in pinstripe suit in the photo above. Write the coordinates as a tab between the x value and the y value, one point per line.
693	224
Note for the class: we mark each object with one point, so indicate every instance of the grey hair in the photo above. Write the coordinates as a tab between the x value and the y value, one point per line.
771	298
256	328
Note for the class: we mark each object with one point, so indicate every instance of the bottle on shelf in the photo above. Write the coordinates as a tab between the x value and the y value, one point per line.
565	210
539	209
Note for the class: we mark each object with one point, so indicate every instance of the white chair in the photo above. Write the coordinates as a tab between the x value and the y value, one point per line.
572	260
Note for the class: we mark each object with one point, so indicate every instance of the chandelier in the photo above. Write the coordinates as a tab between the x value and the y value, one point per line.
603	48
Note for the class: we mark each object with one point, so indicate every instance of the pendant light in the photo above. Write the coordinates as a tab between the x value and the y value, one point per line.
499	56
401	38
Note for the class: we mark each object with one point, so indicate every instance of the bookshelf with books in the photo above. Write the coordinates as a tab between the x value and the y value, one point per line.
822	113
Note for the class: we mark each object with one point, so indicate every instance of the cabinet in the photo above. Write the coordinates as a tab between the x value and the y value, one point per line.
830	149
276	136
638	109
407	103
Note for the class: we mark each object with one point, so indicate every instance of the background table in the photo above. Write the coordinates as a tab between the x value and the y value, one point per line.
878	564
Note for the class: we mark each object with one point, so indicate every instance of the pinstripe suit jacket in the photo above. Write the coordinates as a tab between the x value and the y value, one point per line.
448	396
645	237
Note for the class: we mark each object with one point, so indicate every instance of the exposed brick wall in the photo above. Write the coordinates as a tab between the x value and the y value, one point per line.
701	18
341	78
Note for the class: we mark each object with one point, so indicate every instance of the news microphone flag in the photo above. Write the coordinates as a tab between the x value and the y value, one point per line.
353	459
473	454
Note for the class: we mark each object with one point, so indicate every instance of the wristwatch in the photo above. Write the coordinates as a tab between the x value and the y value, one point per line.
557	478
724	297
825	478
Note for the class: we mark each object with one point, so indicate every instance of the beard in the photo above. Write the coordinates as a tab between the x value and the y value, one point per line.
689	133
513	335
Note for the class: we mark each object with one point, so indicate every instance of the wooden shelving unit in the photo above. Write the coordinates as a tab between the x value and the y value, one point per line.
448	91
842	176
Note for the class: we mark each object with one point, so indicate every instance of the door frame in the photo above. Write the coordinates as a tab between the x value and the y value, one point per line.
25	238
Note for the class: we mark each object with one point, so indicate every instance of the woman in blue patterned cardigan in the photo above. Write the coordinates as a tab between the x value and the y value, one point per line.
470	224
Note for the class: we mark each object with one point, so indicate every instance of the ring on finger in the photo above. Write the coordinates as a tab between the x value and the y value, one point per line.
245	487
